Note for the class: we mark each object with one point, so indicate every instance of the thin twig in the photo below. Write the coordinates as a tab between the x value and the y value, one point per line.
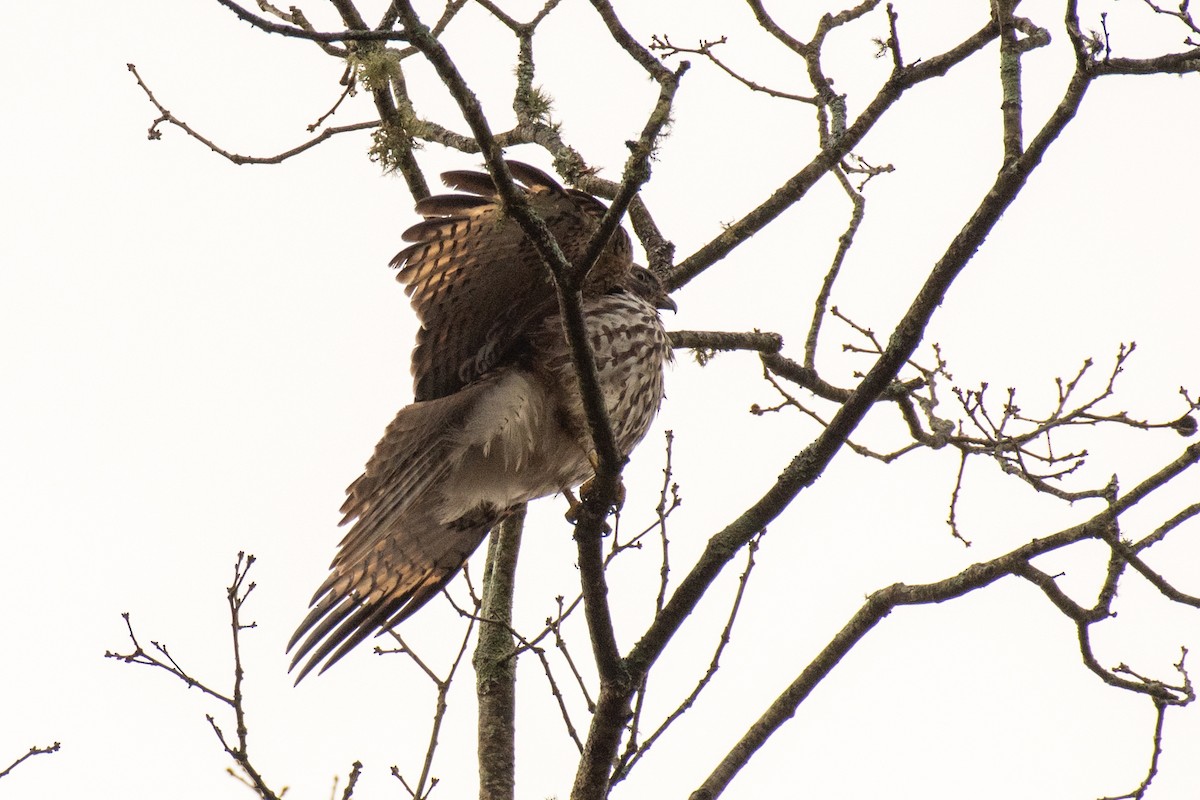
155	133
236	594
33	751
858	212
635	753
705	48
362	35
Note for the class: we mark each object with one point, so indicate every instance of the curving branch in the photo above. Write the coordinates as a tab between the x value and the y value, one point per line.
831	153
155	133
881	603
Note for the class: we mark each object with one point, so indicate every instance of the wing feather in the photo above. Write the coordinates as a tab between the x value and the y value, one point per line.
395	580
420	447
477	284
408	537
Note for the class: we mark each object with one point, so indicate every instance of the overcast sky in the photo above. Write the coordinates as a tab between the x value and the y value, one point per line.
198	357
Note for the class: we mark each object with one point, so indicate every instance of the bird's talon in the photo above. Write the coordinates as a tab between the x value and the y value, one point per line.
572	514
573	503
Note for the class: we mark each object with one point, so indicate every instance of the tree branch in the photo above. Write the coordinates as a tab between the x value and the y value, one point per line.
362	35
496	664
808	465
793	189
881	603
166	116
33	751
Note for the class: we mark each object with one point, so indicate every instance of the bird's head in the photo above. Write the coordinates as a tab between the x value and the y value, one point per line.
646	285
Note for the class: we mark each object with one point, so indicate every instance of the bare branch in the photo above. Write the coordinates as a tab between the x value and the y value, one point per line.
33	751
793	189
1156	580
140	656
495	663
881	603
705	48
641	55
361	35
1184	63
1182	14
558	697
858	212
294	16
154	133
1010	79
1161	531
1160	709
952	520
426	781
635	753
707	344
236	594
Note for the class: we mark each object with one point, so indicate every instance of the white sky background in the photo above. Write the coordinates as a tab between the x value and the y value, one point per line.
198	357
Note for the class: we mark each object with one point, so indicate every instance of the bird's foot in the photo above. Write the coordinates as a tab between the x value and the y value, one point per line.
618	501
586	489
574	504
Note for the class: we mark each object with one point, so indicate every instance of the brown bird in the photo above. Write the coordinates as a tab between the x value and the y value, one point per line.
497	418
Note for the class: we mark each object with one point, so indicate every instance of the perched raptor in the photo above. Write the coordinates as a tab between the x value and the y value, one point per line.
497	418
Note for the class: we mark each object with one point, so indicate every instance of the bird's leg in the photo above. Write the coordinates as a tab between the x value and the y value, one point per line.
572	514
572	506
586	488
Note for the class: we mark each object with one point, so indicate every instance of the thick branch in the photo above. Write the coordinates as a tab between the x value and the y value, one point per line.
717	341
808	465
882	602
833	152
1172	63
1010	79
496	664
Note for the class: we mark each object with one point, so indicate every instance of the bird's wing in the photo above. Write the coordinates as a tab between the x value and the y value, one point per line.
414	523
477	283
384	586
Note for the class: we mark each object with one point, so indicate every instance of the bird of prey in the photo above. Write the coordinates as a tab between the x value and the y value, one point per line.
497	418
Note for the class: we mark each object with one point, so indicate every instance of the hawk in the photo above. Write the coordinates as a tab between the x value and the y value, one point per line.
497	418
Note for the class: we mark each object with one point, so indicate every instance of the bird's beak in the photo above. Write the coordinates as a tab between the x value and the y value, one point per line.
665	302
